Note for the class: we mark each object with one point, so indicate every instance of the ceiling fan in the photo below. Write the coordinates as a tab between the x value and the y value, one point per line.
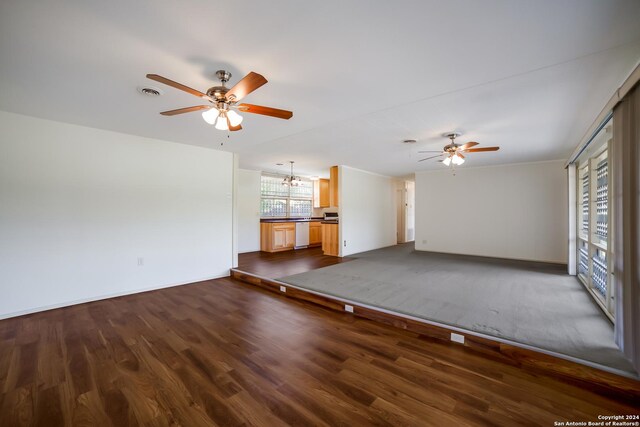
454	152
223	101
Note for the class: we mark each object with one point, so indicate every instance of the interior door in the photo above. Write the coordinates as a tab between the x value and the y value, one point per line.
401	209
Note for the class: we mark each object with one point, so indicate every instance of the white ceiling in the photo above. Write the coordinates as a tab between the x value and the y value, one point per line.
360	76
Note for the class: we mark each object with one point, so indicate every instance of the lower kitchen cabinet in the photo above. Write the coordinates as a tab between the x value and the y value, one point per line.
331	239
315	233
277	236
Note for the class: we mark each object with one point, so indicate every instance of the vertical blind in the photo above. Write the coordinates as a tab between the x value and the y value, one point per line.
625	170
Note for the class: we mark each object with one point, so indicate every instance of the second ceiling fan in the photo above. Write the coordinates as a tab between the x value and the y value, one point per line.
223	101
454	152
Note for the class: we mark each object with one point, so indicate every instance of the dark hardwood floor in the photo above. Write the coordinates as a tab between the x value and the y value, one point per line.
222	353
281	264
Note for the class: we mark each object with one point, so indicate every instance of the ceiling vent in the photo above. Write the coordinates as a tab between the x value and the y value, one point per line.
149	91
409	141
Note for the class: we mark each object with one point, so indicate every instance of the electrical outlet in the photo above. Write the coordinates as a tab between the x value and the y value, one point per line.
283	289
345	243
140	261
457	338
348	308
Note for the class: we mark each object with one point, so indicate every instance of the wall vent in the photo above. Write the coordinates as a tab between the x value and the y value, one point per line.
149	91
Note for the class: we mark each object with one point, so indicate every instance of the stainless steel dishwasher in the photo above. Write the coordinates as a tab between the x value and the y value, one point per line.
302	234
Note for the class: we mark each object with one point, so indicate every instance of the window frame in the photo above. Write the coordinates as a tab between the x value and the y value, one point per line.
288	198
593	241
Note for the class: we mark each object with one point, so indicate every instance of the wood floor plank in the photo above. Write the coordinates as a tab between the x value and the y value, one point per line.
218	353
287	263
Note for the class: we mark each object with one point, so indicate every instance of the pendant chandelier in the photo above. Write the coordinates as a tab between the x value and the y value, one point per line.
291	180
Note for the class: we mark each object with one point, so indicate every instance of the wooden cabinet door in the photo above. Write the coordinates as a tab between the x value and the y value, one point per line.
330	239
279	238
315	233
276	237
333	186
321	193
290	237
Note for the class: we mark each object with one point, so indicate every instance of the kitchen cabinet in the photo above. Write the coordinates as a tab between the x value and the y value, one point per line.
330	239
315	233
277	236
333	186
321	193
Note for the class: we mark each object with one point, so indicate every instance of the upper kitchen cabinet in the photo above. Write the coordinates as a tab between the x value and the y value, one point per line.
333	186
321	198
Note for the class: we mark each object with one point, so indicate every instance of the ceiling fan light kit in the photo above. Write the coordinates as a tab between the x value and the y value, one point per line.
221	121
224	101
454	152
210	116
234	118
453	160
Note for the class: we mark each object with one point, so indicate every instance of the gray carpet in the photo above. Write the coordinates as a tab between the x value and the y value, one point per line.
530	303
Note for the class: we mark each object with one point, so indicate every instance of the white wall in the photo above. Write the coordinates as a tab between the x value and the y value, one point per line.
80	206
248	196
512	211
367	206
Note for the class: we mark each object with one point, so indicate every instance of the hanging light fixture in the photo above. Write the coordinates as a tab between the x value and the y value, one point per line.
218	117
291	180
456	159
221	114
234	118
447	161
221	122
211	115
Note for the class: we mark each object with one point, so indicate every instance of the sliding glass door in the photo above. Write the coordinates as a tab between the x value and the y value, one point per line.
595	257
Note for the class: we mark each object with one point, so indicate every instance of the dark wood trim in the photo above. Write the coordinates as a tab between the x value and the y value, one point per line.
599	381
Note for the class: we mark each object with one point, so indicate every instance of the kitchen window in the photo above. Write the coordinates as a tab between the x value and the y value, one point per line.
284	201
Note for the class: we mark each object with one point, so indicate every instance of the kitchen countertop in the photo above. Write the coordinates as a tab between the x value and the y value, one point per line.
313	219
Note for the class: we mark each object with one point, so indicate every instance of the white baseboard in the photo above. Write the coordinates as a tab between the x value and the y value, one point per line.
103	297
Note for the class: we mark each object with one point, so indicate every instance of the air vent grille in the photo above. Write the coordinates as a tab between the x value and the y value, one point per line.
149	91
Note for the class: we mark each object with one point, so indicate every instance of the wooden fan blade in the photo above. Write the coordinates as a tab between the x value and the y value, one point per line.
432	157
467	145
244	87
477	150
459	154
177	85
233	128
185	110
265	111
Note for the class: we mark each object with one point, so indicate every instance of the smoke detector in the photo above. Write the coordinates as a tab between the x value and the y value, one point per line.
409	141
149	91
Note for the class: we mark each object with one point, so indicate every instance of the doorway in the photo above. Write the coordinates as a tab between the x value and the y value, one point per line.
405	202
